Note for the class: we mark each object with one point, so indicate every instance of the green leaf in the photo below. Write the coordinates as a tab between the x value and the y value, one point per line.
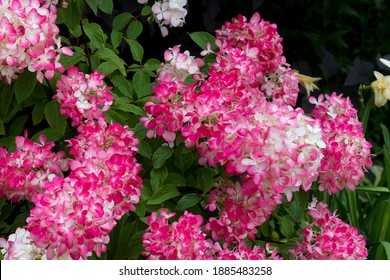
95	33
113	115
110	56
135	248
147	10
107	68
121	20
140	131
38	112
130	108
71	15
54	118
2	129
175	179
202	38
365	112
6	99
287	226
93	4
386	246
106	6
116	38
68	61
386	154
161	155
18	125
386	136
372	189
124	236
144	149
146	191
163	194
204	179
188	201
8	142
136	49
51	134
134	29
183	161
123	85
141	84
377	226
352	207
157	177
24	85
152	64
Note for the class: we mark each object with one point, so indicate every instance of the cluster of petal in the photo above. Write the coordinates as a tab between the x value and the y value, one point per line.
347	153
185	239
165	117
243	252
241	207
168	13
76	214
274	144
24	172
240	116
83	96
19	246
28	39
329	238
249	68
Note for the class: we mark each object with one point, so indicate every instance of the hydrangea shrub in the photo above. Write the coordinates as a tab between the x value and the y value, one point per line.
200	156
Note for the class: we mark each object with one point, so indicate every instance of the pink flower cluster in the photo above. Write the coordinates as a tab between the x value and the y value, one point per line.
185	240
28	39
74	215
242	208
168	13
19	246
239	115
24	172
329	238
347	153
83	96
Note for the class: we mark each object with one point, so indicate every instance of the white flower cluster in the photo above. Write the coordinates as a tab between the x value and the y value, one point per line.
19	246
168	13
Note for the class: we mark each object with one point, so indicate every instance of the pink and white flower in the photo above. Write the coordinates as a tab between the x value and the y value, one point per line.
28	39
329	238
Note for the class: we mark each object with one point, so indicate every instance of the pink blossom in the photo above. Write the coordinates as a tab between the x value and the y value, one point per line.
24	172
28	39
75	215
185	239
329	238
19	246
347	153
83	96
242	208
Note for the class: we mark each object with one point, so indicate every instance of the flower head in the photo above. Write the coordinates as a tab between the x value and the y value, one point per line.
329	238
28	39
381	88
308	83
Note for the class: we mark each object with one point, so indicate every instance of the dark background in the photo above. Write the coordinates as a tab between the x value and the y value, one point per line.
339	41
